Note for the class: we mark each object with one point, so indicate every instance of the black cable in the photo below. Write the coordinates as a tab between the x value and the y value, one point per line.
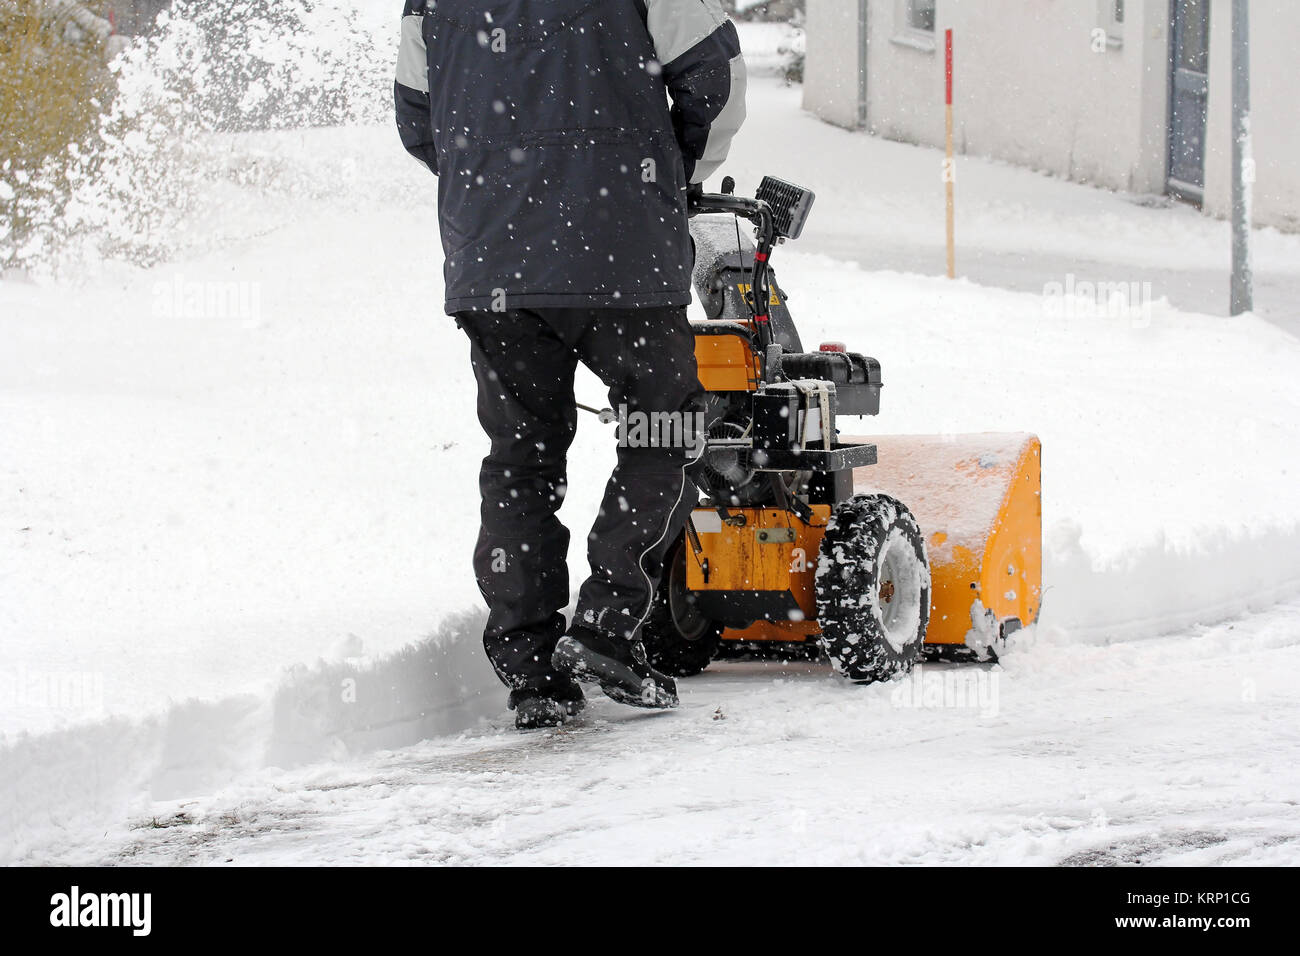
740	253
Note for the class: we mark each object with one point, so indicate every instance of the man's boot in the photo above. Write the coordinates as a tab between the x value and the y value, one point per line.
618	666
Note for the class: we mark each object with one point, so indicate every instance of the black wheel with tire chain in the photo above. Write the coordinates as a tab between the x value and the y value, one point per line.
873	588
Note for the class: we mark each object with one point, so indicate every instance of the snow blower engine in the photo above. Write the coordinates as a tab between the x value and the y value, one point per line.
801	537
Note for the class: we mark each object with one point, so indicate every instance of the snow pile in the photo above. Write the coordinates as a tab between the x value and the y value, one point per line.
54	785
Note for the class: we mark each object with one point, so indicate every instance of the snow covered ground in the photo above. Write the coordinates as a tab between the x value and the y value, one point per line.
237	506
1176	750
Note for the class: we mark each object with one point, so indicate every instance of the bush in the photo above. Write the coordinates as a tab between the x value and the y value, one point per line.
111	162
54	86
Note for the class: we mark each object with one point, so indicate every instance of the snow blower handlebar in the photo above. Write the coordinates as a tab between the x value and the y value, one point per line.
760	214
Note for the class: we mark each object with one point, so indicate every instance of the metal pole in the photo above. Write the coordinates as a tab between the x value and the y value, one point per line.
948	169
862	64
1243	173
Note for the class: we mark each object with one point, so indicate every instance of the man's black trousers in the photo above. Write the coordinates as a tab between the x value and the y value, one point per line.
524	362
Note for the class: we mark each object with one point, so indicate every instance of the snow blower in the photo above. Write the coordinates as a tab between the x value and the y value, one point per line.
801	538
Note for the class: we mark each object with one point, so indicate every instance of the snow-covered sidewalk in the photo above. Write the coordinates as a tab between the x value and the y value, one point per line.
1172	751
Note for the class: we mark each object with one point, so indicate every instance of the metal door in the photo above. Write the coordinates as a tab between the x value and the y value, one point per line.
1189	55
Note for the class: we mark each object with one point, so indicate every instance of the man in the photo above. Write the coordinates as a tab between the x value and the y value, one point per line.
563	179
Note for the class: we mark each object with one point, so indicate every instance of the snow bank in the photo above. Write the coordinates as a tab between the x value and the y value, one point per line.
59	786
1161	588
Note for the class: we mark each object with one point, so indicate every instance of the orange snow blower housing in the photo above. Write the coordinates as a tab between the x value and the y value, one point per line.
876	550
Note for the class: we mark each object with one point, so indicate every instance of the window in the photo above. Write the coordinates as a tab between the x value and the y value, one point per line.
920	15
1110	18
914	24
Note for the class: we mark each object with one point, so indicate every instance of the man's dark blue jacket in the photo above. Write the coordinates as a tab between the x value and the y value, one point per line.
562	165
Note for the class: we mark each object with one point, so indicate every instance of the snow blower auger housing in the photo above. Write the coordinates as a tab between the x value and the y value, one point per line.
801	538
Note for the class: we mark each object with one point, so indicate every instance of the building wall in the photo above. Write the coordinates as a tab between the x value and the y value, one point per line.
1031	90
1020	66
1275	113
830	85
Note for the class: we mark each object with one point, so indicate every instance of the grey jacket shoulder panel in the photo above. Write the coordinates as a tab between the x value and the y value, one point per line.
411	87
